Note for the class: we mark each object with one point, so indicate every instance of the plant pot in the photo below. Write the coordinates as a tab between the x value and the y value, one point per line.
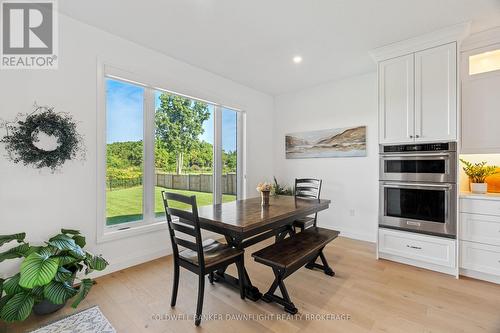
479	188
45	307
265	198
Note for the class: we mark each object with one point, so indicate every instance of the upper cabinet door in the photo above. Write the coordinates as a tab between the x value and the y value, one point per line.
436	93
481	100
396	100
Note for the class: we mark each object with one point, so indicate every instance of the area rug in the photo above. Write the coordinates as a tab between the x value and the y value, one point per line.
91	320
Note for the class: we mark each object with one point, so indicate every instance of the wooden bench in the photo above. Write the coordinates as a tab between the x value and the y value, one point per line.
288	255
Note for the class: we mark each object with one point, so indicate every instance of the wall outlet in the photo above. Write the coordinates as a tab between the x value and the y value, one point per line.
352	212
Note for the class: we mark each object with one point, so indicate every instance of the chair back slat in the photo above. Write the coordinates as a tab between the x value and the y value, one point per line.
184	229
188	200
306	194
185	243
183	214
188	224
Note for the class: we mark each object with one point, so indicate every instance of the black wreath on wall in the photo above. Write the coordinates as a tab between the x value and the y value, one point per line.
22	138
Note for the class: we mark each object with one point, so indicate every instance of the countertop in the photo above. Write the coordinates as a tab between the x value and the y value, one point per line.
488	196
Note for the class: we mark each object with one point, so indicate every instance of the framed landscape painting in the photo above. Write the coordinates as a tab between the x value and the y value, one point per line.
338	142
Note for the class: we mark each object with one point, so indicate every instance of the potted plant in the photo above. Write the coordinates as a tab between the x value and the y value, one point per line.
265	190
477	173
280	189
46	278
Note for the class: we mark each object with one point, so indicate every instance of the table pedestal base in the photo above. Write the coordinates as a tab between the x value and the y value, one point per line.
251	292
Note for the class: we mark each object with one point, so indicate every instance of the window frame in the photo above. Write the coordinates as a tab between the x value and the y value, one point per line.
150	222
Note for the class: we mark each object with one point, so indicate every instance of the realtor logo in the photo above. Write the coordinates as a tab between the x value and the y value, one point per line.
29	35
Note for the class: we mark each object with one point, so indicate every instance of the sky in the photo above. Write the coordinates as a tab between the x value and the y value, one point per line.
124	115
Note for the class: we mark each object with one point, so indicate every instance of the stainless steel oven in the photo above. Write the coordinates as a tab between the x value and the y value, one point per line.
419	163
418	188
421	207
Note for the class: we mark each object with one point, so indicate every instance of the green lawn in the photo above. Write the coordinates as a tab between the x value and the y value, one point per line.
125	205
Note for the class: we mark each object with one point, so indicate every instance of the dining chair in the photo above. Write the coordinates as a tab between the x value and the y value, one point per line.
199	257
308	188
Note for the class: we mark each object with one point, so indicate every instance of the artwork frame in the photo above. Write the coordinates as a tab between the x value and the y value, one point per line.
327	143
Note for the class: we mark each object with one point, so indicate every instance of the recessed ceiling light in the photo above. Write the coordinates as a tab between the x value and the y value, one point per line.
297	59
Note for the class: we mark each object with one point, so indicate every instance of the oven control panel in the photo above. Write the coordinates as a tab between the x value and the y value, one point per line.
424	147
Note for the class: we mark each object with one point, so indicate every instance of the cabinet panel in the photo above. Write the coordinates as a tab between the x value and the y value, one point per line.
480	257
480	228
480	107
480	206
436	93
396	98
434	250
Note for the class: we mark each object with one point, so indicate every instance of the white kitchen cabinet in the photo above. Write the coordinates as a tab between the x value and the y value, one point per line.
431	252
418	96
436	94
480	103
480	237
396	89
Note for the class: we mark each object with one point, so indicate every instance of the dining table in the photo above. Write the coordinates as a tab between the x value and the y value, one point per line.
247	222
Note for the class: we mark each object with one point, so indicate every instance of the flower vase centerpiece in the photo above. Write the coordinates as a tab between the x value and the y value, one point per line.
477	173
265	191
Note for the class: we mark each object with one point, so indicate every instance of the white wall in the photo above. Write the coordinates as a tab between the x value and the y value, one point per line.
40	203
351	183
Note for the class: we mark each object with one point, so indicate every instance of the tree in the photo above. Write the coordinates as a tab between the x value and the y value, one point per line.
229	161
179	123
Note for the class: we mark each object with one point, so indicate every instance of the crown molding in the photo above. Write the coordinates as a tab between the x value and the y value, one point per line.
450	34
481	39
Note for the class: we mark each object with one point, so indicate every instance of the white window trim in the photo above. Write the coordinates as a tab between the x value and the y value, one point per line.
150	223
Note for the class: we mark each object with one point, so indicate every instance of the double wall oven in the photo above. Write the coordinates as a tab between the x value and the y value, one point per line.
418	188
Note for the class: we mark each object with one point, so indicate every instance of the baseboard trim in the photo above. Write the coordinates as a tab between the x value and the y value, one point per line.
480	275
130	262
352	234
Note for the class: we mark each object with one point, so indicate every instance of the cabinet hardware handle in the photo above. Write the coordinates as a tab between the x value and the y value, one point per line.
417	136
411	136
414	247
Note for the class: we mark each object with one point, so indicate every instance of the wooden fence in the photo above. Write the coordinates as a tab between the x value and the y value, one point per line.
196	182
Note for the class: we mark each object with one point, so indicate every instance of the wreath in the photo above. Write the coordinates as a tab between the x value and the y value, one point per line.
23	136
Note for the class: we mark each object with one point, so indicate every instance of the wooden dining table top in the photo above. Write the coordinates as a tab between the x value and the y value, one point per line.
245	215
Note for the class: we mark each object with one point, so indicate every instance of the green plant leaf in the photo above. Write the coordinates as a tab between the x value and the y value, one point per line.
38	293
38	270
79	240
63	275
7	238
77	252
62	242
98	263
58	292
11	286
1	286
3	301
47	250
18	307
70	231
15	252
83	291
65	260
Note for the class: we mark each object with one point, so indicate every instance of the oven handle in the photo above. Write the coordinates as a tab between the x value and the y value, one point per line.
417	185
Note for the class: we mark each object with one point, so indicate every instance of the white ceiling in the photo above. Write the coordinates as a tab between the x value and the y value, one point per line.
253	41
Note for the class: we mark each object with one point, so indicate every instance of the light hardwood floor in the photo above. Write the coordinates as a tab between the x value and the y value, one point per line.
378	296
